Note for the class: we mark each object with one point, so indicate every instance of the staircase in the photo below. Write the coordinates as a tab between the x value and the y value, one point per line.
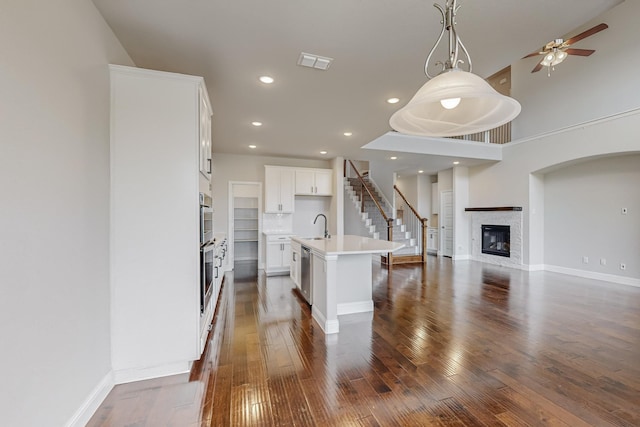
375	222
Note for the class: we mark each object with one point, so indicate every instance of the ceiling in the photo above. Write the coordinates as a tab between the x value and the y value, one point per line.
379	48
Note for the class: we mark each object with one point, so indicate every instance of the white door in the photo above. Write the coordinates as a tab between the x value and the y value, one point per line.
446	223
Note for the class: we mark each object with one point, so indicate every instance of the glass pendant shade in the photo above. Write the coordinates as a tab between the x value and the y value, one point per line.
481	108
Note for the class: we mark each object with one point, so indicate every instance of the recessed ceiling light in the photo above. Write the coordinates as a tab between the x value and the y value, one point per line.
252	146
323	152
393	157
256	123
393	100
456	163
420	171
266	79
348	133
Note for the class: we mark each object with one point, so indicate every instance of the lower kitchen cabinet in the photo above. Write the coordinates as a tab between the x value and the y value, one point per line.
432	240
278	254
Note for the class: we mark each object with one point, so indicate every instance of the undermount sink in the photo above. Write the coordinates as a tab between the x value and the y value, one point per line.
314	238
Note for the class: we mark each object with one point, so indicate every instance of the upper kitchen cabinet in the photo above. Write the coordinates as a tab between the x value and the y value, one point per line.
314	182
155	170
278	189
205	133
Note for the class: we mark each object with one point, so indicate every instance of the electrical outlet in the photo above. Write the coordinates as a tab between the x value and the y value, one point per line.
623	211
603	261
585	260
623	266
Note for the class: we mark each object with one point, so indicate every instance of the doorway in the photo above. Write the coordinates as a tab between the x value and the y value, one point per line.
245	227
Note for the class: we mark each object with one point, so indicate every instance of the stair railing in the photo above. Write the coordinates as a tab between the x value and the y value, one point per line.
365	190
415	224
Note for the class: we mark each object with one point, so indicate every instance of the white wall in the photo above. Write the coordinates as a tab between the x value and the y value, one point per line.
582	88
424	201
583	216
445	180
54	190
515	181
408	185
384	176
461	218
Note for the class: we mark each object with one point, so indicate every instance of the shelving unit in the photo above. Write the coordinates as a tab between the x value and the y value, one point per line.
246	229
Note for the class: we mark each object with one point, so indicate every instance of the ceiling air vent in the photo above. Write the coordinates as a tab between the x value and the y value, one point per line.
314	61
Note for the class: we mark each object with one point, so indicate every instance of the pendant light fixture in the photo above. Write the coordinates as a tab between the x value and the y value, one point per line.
456	101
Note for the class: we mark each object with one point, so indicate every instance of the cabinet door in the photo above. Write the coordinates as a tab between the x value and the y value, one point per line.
287	179
286	255
305	184
274	255
324	183
271	190
205	137
293	272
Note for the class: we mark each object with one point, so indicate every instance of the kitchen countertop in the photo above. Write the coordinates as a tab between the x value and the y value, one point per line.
277	232
348	245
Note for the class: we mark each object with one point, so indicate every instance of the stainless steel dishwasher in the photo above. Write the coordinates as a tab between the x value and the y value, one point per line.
305	274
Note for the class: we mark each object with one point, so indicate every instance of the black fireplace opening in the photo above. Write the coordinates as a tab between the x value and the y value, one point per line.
496	240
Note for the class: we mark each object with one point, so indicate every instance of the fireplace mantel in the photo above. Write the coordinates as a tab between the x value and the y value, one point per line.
494	209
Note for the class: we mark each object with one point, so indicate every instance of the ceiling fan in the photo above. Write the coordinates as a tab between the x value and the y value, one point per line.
557	50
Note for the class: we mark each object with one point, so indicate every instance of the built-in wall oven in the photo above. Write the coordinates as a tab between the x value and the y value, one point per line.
206	219
208	260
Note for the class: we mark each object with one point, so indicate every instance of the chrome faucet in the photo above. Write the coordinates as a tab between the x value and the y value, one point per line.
326	232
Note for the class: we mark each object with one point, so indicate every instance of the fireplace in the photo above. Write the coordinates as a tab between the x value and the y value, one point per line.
496	240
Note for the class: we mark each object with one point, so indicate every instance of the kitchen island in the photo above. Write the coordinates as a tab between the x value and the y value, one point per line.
341	276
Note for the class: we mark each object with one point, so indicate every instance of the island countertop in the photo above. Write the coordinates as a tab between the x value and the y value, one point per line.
348	245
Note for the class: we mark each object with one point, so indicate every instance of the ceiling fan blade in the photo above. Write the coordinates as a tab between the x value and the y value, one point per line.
579	52
537	67
585	34
533	54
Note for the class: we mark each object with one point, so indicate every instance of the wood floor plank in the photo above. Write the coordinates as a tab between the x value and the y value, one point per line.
447	345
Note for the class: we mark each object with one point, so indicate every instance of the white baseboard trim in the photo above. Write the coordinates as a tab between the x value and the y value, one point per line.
629	281
327	326
355	307
534	267
138	374
461	257
92	402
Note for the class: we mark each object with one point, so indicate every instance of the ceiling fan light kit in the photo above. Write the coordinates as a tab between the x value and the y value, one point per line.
456	101
558	50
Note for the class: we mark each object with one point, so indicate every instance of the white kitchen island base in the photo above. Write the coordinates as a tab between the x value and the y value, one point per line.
342	276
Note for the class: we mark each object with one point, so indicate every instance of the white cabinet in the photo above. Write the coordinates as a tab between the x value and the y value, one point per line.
278	254
296	250
314	182
278	189
154	204
432	240
205	135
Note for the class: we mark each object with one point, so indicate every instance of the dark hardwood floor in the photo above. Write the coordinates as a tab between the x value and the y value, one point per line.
468	345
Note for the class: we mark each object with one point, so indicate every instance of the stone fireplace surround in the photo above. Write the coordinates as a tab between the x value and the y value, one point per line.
509	215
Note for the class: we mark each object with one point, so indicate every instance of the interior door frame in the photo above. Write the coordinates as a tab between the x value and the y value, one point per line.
230	218
441	220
